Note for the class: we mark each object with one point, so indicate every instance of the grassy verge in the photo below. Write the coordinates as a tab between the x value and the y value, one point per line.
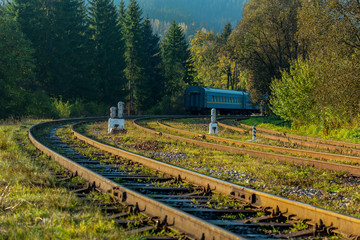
315	186
32	204
347	133
200	126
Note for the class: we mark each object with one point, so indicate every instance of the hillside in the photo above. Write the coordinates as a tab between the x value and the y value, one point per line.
193	14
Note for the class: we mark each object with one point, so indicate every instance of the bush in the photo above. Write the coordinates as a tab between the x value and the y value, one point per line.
81	109
63	109
39	105
169	105
292	95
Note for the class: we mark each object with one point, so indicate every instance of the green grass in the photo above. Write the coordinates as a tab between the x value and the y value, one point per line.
345	133
32	204
266	175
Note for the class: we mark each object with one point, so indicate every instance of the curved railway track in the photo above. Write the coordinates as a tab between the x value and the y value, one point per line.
351	169
325	144
175	205
294	136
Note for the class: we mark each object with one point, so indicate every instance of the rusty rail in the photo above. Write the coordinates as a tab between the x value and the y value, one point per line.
180	220
353	170
306	138
330	145
336	222
264	147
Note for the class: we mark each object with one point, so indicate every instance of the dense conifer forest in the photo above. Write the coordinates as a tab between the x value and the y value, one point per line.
300	59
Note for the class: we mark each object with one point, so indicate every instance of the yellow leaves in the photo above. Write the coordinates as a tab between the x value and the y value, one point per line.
212	60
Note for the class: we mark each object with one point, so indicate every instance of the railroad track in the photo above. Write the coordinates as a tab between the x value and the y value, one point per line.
264	147
183	207
294	136
351	169
310	142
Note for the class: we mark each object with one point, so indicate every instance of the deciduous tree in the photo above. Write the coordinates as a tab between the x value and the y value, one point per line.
265	42
331	29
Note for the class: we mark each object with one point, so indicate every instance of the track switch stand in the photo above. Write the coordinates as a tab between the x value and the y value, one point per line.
213	127
116	120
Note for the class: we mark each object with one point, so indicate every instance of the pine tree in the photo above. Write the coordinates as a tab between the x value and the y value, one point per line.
134	56
33	18
109	48
57	31
16	64
176	58
122	13
151	90
70	50
226	32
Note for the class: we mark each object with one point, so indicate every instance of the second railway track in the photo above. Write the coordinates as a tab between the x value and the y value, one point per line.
276	210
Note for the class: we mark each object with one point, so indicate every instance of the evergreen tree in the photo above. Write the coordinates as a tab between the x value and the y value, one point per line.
33	17
16	65
135	70
70	50
57	31
122	13
109	48
226	32
176	58
151	89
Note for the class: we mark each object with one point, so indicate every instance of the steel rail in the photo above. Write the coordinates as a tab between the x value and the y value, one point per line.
330	145
306	138
180	220
336	222
351	169
313	154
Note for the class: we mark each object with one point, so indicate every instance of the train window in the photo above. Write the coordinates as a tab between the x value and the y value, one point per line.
212	98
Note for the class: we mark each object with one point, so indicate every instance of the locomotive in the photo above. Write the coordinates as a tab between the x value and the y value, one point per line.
200	100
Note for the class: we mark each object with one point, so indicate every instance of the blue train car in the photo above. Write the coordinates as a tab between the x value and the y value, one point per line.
202	100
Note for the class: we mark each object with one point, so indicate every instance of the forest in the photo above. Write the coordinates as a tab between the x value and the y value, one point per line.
209	15
300	59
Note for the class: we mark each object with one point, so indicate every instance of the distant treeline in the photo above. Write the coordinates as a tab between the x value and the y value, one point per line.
211	15
300	59
63	58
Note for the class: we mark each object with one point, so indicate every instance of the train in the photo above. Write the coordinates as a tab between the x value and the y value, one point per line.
200	100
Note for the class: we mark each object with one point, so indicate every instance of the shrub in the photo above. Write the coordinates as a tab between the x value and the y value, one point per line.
39	105
292	95
63	109
81	109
